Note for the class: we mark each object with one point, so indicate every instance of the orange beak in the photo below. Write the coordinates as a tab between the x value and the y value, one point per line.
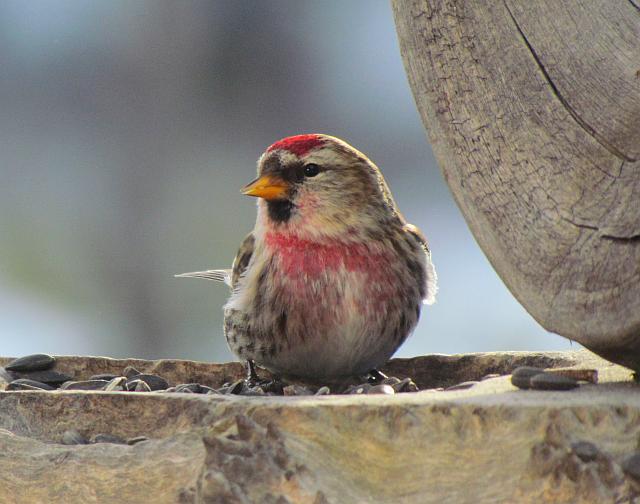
268	187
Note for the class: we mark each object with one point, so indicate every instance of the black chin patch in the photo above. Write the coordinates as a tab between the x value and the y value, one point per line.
279	210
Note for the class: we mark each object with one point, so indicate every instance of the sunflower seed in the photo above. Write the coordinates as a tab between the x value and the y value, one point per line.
585	450
358	389
142	387
273	387
323	391
137	439
521	376
21	386
33	383
236	388
35	362
462	386
155	382
5	376
130	372
406	385
490	376
26	384
588	375
138	386
381	389
49	377
547	381
73	437
194	388
107	438
206	390
117	384
84	385
631	466
103	376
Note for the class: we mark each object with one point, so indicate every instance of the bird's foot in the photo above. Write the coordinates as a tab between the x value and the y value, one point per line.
376	377
253	380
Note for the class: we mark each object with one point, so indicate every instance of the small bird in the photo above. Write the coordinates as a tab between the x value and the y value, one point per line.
331	280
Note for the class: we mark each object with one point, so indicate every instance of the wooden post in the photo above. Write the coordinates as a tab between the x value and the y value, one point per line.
533	111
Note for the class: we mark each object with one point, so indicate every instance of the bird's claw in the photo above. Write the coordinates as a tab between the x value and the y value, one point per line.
253	380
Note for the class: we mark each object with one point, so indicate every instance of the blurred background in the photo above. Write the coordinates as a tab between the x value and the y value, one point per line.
127	129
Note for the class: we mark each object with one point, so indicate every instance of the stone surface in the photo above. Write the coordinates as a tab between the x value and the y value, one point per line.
489	443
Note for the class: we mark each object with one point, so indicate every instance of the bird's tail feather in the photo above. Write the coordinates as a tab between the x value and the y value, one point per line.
217	275
432	283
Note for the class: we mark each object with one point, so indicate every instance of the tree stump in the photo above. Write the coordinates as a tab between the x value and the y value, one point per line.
533	111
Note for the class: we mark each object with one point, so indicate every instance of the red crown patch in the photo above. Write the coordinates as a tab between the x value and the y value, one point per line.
298	145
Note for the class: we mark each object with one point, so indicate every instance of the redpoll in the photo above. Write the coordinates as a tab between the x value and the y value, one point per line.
331	280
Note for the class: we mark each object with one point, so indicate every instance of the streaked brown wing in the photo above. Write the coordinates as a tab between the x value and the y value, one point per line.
417	234
242	259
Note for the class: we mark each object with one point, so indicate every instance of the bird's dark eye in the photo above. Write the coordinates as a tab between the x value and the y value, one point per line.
311	170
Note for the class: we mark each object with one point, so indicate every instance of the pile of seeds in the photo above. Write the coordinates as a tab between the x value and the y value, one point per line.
34	372
526	377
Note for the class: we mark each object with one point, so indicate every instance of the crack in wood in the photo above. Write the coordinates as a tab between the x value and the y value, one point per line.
636	5
585	126
634	238
622	239
581	226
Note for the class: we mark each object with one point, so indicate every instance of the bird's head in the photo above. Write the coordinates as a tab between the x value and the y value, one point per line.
317	186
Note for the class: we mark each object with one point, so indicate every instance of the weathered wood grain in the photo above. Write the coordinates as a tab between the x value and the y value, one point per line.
533	111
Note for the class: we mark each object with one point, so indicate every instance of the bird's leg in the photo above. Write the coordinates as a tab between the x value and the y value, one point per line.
252	377
376	376
253	380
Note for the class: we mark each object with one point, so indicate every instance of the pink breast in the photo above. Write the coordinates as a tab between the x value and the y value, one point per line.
298	256
311	270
